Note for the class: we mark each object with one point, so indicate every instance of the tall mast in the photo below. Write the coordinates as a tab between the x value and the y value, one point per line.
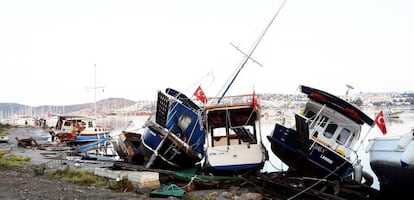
95	88
248	55
95	91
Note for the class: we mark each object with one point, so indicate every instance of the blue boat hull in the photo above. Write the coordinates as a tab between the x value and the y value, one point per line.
93	145
186	124
319	161
91	138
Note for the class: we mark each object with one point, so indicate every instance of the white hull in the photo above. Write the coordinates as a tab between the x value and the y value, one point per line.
392	160
385	149
235	157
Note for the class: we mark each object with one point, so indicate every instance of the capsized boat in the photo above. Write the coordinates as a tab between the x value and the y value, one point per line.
234	144
127	144
392	160
175	138
321	143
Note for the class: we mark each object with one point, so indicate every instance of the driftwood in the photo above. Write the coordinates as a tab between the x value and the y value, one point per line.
27	142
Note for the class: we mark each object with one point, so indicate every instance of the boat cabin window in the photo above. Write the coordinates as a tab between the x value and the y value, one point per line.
183	122
317	124
348	143
67	123
343	136
90	125
330	130
309	114
221	138
320	120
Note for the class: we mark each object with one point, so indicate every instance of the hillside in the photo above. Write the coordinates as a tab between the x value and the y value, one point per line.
104	106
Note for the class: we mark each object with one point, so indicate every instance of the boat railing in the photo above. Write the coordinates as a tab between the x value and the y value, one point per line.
233	101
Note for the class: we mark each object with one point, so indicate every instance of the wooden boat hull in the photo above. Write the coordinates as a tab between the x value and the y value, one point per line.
128	148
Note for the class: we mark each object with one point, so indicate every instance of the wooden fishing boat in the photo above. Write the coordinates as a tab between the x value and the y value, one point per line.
78	129
127	144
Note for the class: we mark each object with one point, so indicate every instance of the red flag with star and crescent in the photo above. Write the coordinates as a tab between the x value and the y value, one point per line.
379	120
200	95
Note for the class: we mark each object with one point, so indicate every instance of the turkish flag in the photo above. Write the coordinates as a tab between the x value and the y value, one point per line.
254	101
379	120
200	95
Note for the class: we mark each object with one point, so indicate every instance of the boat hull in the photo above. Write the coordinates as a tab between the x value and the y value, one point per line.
128	148
73	137
235	159
319	161
167	155
386	156
176	139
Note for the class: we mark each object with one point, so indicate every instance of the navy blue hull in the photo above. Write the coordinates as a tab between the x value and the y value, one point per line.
394	179
319	161
177	137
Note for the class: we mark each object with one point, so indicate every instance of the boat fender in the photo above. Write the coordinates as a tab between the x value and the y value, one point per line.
407	157
369	180
405	139
358	172
340	151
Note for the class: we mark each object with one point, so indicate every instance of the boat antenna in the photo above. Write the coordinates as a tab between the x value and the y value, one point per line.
248	55
347	91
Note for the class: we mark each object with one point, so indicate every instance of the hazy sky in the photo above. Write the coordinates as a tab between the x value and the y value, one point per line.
49	49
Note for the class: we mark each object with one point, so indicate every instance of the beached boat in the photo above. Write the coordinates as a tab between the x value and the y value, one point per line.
175	138
4	139
78	129
392	160
321	143
127	144
390	113
234	143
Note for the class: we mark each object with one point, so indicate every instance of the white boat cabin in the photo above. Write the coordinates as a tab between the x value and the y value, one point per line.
331	129
77	124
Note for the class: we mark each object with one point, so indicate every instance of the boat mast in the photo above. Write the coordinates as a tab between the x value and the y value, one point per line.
248	55
95	88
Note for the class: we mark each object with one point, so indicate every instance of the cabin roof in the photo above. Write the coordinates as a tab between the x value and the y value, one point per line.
338	105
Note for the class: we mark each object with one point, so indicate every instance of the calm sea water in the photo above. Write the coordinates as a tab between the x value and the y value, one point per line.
398	126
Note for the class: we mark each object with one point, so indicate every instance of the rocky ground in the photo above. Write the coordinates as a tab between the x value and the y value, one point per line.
24	183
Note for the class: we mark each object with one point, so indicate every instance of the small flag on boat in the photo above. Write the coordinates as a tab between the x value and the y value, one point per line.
254	100
379	120
200	95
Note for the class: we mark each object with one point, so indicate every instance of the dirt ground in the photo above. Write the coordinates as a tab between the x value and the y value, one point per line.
18	183
24	184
